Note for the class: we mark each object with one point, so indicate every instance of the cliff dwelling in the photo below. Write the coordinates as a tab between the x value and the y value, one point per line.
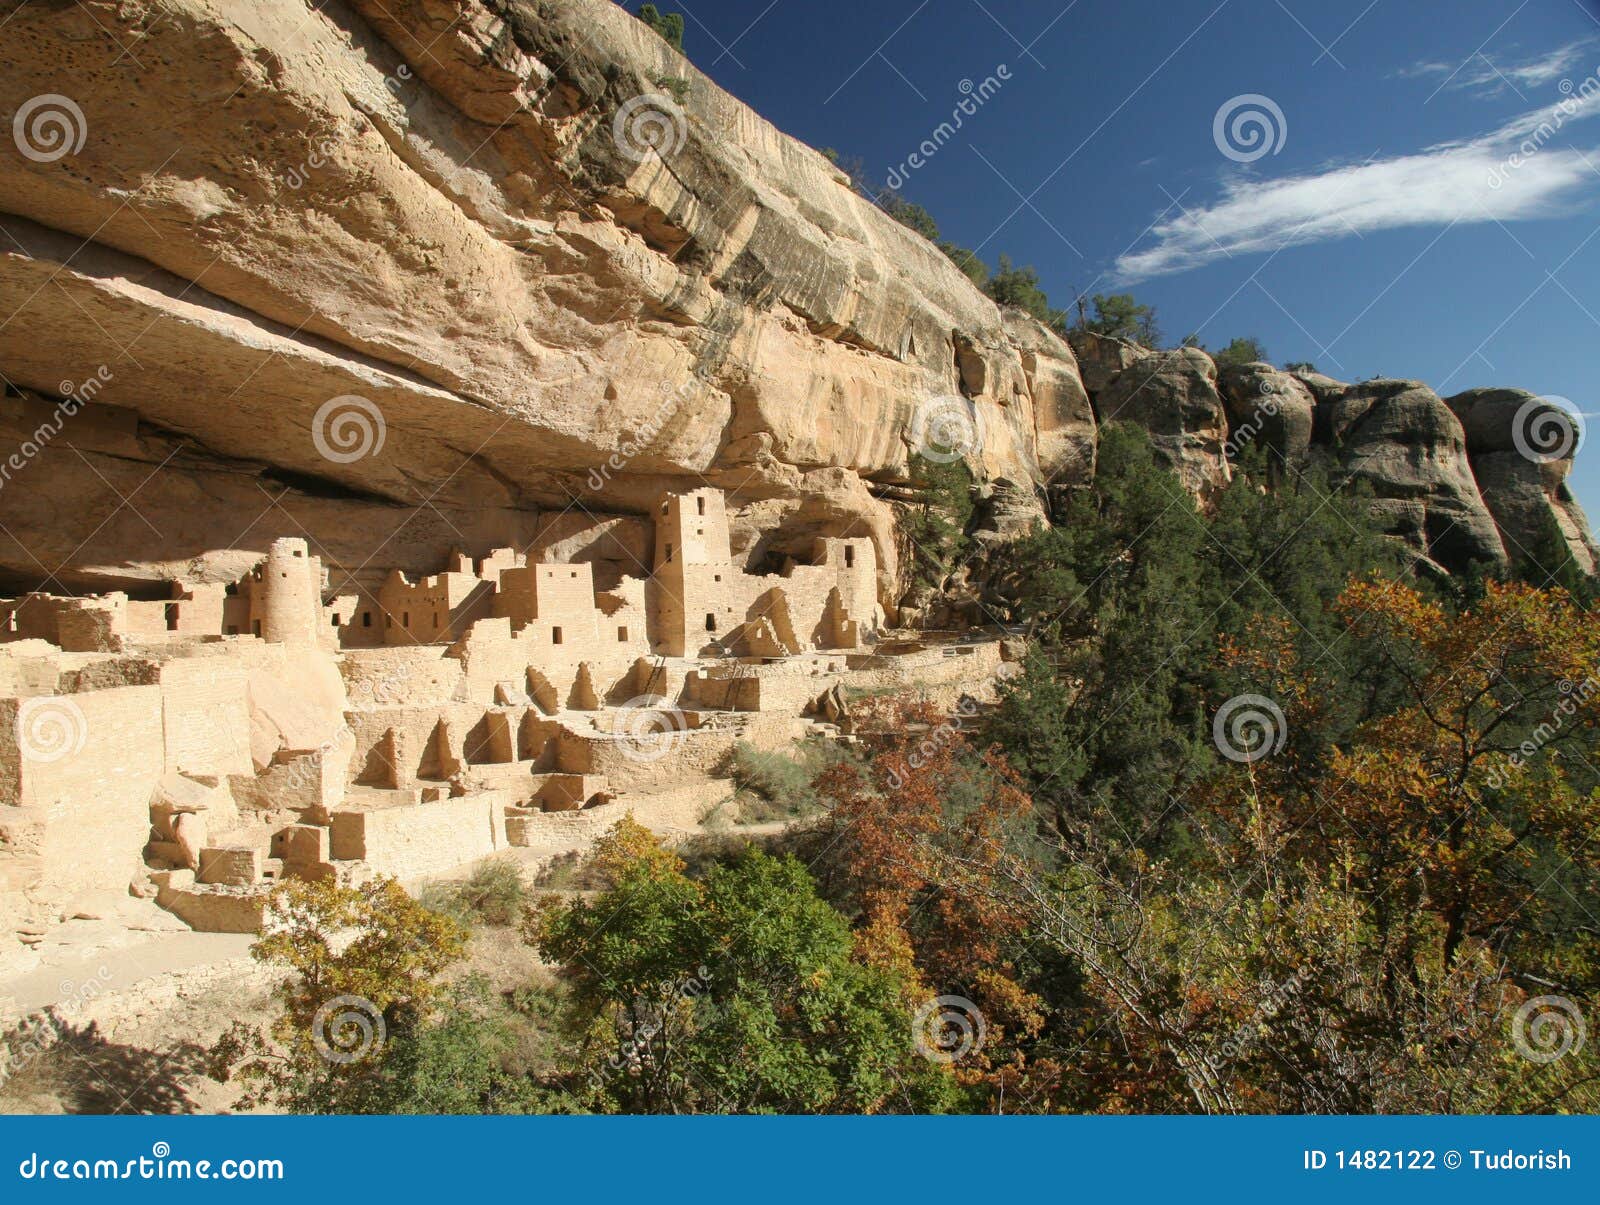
204	746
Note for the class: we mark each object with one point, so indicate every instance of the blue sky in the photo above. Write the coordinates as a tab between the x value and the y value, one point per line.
1371	221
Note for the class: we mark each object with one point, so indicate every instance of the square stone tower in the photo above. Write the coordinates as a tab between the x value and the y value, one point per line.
695	598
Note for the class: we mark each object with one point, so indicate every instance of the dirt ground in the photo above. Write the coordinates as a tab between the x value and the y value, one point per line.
134	1014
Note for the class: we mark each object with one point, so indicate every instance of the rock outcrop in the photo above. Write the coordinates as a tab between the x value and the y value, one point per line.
1453	481
1400	438
1268	407
1521	449
1172	395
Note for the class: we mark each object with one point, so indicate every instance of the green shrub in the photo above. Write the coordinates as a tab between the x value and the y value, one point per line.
493	895
777	785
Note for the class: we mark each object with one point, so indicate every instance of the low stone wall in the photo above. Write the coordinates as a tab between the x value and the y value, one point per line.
217	909
667	812
429	838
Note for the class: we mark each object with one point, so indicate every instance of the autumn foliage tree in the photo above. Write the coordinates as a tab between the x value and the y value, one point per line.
369	1020
923	795
742	992
1454	832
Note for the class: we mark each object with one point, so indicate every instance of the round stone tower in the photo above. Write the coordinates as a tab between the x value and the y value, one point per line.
291	598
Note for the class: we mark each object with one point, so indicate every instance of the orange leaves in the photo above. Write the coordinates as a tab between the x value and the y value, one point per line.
924	802
1417	803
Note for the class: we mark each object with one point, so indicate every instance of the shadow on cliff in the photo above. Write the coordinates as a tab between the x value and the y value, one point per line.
79	1071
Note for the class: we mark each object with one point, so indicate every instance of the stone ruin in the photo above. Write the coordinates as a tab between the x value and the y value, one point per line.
199	748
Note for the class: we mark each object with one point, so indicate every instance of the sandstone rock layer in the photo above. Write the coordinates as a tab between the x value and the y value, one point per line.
565	270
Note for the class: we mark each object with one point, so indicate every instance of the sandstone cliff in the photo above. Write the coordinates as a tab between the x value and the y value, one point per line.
451	211
404	276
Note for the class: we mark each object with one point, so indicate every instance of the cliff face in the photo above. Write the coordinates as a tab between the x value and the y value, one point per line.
404	276
455	212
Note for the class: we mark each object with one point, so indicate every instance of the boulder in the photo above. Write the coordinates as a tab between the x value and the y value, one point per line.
1268	407
1521	449
1173	395
1401	438
1102	357
1323	388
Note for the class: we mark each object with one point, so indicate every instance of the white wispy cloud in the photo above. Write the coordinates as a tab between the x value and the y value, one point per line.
1474	180
1481	73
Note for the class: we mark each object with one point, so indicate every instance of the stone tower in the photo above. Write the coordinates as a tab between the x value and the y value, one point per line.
694	600
286	595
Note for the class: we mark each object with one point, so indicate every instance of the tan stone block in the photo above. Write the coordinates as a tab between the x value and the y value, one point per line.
230	865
